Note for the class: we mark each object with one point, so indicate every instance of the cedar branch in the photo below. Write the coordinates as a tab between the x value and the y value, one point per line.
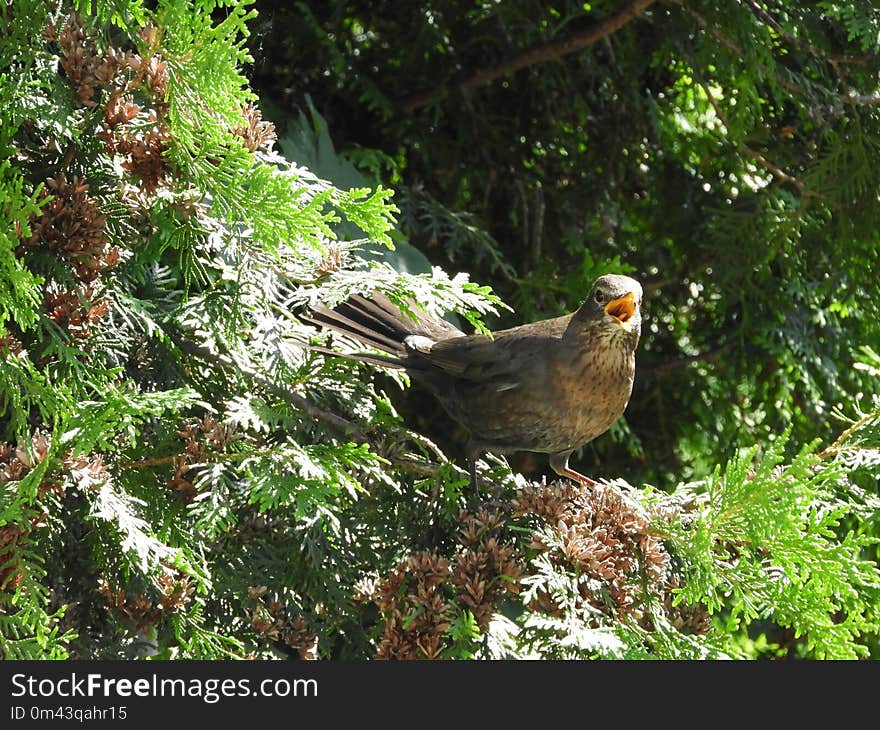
351	430
837	446
792	40
548	51
771	167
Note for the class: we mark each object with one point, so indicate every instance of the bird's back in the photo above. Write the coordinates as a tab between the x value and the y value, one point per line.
527	388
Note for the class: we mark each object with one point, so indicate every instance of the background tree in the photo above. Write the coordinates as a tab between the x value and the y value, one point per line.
721	151
182	477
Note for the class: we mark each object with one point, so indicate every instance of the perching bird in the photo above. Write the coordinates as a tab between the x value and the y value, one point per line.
549	386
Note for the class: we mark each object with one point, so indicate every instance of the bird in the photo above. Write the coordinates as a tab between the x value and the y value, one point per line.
548	387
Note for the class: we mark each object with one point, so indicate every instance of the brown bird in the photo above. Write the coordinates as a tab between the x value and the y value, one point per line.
549	386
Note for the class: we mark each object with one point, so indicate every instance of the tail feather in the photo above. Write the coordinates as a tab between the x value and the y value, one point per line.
380	307
378	360
368	333
381	311
378	323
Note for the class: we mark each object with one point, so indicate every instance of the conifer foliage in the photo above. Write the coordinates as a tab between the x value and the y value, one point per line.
181	476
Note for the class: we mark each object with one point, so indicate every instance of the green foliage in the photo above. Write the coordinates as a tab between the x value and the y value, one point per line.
192	318
20	287
181	476
861	20
759	541
721	152
768	545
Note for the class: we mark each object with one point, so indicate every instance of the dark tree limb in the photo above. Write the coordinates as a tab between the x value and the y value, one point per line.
682	361
548	51
863	99
714	32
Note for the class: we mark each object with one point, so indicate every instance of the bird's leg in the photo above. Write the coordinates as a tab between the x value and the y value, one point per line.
578	477
559	464
472	468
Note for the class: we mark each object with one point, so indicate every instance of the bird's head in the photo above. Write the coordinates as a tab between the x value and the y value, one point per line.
613	307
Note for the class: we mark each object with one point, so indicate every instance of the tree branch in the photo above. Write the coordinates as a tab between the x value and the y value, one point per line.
714	32
769	20
852	98
866	99
837	446
672	364
351	430
405	463
772	168
548	51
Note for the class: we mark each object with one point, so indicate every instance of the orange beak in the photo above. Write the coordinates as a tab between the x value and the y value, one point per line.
622	309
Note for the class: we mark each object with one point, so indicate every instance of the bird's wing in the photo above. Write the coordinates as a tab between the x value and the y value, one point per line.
505	359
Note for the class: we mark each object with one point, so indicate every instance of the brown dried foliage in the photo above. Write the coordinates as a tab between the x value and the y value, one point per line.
176	591
416	609
156	78
151	68
330	263
12	539
120	109
606	538
75	311
255	133
10	345
139	609
86	69
421	596
13	463
71	225
486	571
89	472
270	618
141	146
200	437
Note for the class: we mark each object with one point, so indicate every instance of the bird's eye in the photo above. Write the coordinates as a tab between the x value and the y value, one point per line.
599	296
